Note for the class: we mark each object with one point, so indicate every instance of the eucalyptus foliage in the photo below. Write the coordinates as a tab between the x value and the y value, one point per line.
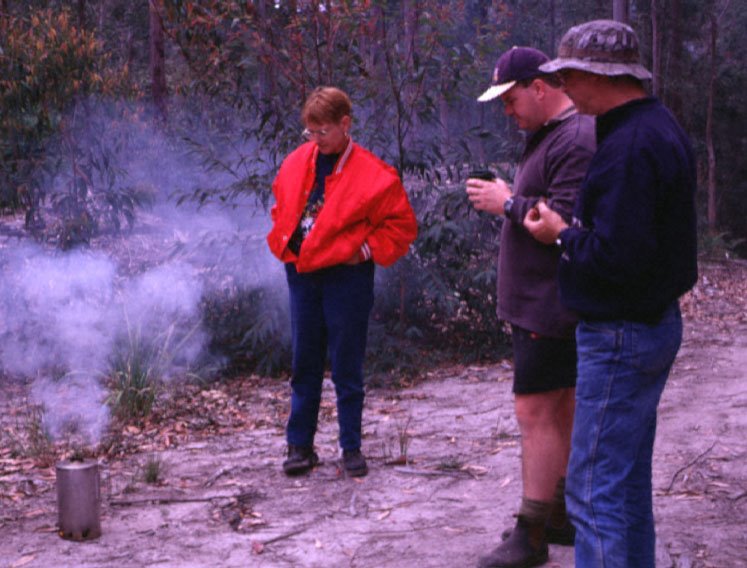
238	73
50	67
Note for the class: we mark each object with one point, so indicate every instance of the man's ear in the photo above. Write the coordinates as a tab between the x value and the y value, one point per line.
539	88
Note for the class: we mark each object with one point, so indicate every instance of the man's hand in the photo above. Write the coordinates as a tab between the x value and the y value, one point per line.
543	223
488	196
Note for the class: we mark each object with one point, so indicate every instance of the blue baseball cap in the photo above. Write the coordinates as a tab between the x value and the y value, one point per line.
516	64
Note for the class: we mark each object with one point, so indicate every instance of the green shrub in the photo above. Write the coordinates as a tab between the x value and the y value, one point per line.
718	246
442	296
249	330
154	469
135	379
49	69
140	362
30	437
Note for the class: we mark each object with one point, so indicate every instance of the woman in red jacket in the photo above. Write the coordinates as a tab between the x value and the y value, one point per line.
338	210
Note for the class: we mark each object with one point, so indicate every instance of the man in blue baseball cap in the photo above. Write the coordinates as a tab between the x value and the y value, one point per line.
558	148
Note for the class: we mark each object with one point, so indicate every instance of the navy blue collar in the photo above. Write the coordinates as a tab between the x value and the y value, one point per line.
608	121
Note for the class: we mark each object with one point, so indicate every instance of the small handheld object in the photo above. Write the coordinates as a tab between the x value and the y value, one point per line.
484	174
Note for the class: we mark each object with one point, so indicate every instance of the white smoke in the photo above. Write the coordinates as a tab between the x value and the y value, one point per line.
63	316
55	310
74	407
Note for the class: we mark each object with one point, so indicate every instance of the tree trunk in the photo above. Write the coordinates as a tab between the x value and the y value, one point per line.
411	13
674	22
159	90
712	200
553	46
82	14
410	8
443	112
103	10
655	49
4	13
620	11
265	72
130	43
377	41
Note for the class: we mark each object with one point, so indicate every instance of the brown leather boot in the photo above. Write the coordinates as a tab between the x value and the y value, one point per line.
300	460
558	528
525	547
563	533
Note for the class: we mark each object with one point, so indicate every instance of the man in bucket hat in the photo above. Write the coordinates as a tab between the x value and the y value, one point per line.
559	147
628	255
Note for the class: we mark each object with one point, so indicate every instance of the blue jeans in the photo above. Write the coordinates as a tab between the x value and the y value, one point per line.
622	369
329	311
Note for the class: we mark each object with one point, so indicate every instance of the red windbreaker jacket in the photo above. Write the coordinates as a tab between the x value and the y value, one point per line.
364	203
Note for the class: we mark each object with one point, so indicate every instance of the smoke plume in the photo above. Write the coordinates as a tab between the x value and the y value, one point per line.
64	316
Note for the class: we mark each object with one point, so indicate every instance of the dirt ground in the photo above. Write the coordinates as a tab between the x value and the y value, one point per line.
223	500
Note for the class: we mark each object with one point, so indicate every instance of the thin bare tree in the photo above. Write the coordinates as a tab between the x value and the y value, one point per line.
264	22
621	11
159	89
4	13
716	16
81	9
674	20
655	49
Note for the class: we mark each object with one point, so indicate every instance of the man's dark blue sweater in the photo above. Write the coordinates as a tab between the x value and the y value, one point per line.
632	248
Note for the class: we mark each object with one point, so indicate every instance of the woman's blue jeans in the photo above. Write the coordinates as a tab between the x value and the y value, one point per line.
622	369
329	311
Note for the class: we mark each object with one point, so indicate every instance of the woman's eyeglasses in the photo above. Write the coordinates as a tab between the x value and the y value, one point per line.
309	134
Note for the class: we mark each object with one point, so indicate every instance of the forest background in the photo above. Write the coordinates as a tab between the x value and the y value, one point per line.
113	110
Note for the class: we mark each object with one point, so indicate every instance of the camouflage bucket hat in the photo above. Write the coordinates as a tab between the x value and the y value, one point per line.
603	47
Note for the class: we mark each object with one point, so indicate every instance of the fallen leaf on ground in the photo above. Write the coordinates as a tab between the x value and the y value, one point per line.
455	530
35	513
475	469
257	547
23	561
401	460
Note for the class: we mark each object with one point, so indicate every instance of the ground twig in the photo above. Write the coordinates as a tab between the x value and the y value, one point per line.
169	500
429	472
285	535
690	464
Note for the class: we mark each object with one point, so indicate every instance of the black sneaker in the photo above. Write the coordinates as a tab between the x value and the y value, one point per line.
300	460
354	462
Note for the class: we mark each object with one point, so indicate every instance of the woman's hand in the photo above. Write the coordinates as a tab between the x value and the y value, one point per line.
543	223
355	259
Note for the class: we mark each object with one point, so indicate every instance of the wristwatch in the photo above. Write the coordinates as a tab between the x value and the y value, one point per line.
507	205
